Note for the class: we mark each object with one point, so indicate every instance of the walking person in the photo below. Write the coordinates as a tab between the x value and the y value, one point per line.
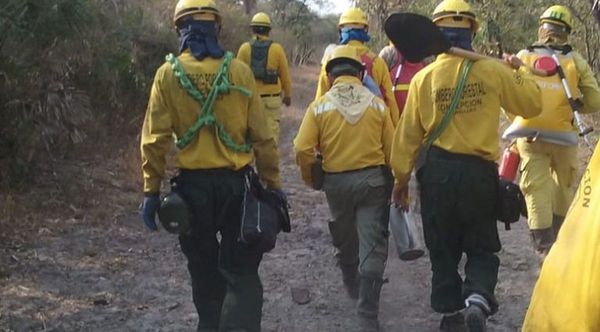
548	143
212	161
269	64
457	132
353	130
353	28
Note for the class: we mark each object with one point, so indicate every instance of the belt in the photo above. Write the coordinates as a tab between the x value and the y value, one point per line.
271	95
356	170
214	171
439	153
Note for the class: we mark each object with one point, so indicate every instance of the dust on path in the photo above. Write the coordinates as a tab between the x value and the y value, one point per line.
84	273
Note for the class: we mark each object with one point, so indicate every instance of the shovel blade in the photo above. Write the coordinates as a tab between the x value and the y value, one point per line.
415	36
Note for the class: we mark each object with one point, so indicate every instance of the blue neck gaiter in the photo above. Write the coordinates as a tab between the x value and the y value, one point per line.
348	34
459	37
201	38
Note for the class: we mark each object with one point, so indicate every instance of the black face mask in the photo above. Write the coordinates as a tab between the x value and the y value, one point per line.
459	37
200	37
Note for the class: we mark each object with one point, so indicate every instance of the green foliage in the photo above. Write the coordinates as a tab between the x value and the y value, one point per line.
65	67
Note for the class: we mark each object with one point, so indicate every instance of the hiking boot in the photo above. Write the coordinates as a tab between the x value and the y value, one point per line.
475	318
453	323
478	309
350	278
368	303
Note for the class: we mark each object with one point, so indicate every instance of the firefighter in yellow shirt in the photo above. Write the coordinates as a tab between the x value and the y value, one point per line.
458	177
548	143
353	130
270	66
212	162
353	28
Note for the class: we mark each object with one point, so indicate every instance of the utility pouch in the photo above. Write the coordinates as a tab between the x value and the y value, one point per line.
264	215
271	76
174	213
511	203
316	173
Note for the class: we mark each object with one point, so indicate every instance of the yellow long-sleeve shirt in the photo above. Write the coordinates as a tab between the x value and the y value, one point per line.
381	76
344	146
588	85
473	129
172	111
276	60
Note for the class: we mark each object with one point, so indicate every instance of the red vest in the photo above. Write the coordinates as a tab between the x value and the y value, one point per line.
401	74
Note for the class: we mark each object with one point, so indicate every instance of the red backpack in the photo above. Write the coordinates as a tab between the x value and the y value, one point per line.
401	74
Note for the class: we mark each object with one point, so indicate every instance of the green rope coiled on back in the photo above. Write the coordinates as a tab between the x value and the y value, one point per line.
221	85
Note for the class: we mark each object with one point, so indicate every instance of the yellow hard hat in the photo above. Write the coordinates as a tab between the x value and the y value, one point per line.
344	54
203	10
260	20
353	16
455	14
558	14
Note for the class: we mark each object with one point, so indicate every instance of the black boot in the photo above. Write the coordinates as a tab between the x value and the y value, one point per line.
476	313
475	318
453	323
350	278
368	303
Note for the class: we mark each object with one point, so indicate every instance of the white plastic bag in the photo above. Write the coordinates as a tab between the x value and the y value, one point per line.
406	235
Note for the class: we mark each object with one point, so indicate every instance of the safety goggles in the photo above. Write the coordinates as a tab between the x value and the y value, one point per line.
556	28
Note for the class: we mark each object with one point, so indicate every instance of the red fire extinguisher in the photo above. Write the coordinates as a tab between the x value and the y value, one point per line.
510	164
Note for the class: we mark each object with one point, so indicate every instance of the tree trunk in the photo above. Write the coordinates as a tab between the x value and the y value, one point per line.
249	6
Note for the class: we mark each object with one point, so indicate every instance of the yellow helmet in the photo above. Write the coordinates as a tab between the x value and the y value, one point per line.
557	14
344	54
353	16
455	14
204	10
260	20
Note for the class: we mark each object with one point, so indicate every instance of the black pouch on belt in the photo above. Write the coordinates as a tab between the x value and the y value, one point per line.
511	203
316	173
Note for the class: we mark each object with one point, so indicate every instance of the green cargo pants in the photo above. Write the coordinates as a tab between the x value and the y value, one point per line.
359	204
458	207
226	288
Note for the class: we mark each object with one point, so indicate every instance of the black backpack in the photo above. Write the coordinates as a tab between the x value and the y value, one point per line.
259	56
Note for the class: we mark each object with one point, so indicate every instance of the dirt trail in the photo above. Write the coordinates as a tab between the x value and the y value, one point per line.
105	272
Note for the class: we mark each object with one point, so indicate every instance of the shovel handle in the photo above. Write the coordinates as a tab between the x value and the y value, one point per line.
476	56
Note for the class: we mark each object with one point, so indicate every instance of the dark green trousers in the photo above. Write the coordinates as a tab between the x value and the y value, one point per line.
359	205
226	288
458	208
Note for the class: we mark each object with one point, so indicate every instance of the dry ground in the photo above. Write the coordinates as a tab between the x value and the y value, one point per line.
90	265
